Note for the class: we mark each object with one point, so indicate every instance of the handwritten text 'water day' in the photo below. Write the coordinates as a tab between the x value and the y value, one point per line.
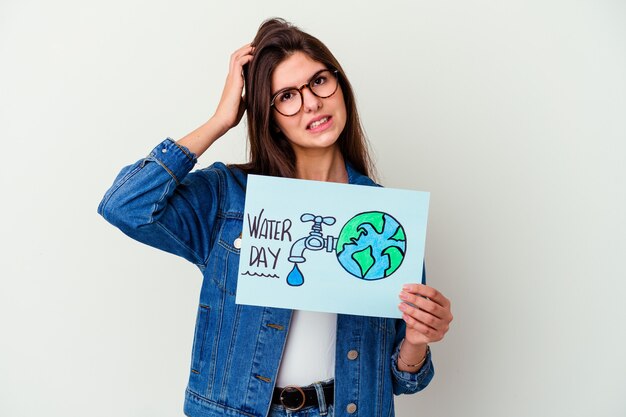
263	228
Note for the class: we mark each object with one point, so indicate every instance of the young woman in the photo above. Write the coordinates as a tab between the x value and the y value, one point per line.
256	361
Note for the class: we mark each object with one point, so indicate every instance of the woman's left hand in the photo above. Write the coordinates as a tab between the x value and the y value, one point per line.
430	319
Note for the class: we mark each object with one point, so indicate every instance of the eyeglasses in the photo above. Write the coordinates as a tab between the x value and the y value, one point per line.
289	101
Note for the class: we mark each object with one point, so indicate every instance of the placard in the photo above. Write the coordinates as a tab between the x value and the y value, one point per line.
330	247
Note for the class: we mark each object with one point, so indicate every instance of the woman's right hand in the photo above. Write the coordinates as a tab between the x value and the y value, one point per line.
232	104
229	110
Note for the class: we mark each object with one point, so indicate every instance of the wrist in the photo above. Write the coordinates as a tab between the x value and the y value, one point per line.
417	346
412	356
203	137
217	125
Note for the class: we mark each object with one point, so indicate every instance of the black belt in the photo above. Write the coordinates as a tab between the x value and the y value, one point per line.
294	398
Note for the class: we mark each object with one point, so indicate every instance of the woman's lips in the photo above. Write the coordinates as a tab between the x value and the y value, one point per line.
320	124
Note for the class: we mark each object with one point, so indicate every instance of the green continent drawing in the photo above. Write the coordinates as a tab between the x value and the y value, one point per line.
371	245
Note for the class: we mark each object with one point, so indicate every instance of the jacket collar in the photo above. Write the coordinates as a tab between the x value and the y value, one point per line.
356	178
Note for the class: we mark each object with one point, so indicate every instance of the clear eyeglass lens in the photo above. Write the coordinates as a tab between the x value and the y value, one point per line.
323	85
288	102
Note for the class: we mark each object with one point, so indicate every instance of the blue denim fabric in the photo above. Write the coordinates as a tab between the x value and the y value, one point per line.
237	349
279	411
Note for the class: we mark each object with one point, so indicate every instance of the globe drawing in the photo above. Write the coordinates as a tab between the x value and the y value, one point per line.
371	245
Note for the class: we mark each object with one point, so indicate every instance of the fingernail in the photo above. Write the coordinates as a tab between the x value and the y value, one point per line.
406	287
404	295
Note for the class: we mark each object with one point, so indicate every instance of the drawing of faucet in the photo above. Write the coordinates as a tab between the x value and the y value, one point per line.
315	241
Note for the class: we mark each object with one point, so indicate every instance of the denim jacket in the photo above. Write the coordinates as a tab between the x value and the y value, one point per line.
237	349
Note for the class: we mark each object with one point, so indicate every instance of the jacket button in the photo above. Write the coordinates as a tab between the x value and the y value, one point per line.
351	408
353	354
237	243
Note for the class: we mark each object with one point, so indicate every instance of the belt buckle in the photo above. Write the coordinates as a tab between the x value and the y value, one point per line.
291	389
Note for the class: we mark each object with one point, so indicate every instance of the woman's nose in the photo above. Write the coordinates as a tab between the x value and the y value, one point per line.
310	101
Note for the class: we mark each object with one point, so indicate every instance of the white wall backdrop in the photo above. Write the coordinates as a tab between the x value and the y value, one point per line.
511	113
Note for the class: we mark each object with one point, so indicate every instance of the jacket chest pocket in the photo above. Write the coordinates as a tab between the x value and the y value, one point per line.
200	342
226	255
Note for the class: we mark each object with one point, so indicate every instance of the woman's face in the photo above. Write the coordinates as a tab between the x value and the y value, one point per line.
320	121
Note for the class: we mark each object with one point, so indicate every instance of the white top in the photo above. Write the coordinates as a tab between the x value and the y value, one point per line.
309	354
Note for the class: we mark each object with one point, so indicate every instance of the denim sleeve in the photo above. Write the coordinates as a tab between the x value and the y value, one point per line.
158	202
407	382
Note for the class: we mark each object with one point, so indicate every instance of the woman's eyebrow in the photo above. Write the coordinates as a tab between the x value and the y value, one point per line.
294	87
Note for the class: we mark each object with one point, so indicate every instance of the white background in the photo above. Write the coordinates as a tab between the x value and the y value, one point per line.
511	113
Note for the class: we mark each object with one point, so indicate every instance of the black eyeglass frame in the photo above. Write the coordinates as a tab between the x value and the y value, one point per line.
307	85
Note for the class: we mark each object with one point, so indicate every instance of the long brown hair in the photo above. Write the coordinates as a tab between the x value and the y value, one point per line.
270	152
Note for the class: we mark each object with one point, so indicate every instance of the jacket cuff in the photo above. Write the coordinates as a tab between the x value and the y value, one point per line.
176	159
409	382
